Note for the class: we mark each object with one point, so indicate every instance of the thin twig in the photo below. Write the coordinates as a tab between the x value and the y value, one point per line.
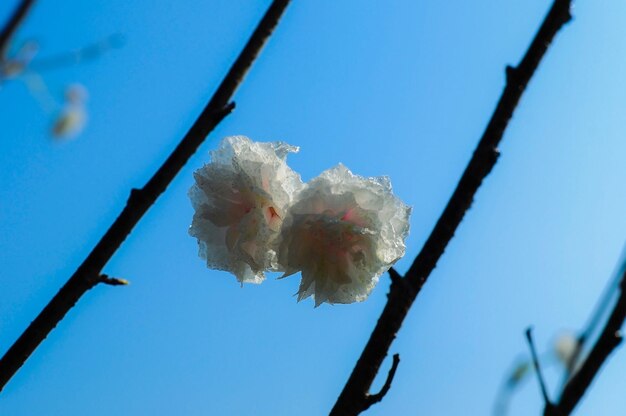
533	353
113	281
401	297
85	53
375	398
140	200
18	16
608	340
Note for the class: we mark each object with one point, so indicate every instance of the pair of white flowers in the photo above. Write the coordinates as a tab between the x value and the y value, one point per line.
253	214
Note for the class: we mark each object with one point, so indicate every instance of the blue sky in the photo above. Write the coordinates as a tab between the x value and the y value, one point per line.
399	88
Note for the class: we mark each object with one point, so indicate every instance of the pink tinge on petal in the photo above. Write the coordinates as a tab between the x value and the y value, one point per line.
272	218
265	182
352	216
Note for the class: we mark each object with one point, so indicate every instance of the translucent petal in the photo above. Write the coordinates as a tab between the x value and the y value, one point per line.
342	232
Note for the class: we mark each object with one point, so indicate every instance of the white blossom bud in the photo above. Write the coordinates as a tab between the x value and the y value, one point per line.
566	346
240	200
70	122
73	118
342	232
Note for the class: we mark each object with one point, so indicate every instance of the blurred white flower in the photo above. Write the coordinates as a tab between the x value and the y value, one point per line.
565	347
342	232
240	200
73	117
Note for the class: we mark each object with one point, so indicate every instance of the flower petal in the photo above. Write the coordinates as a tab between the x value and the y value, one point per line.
237	199
343	231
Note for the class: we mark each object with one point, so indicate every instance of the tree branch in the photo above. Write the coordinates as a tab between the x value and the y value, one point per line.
401	297
608	340
88	273
538	371
18	16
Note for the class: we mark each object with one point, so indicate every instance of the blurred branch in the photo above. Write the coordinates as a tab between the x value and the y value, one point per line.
608	340
403	292
18	16
88	273
77	56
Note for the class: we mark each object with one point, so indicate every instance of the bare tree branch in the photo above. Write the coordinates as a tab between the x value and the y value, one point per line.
88	273
404	291
85	53
18	16
608	340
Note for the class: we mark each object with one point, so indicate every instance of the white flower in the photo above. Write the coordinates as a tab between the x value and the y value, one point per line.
239	201
342	232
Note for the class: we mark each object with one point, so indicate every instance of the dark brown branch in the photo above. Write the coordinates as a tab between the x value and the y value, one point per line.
18	16
608	340
88	274
401	296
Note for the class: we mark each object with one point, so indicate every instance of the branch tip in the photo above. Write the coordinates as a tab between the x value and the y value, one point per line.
396	277
112	281
510	73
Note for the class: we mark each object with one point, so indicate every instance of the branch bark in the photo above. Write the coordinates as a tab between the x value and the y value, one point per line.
14	22
608	340
88	273
404	291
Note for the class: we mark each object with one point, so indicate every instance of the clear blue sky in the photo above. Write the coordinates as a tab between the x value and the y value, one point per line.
400	88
